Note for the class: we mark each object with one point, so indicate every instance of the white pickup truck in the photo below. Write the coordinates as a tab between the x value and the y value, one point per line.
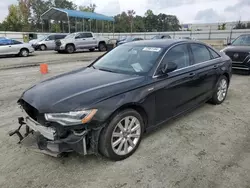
81	40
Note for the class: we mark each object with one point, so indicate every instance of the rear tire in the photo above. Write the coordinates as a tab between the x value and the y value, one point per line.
102	47
43	47
91	50
24	53
122	136
70	48
220	92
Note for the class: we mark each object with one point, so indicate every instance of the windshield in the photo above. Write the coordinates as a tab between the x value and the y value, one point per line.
243	40
129	59
72	35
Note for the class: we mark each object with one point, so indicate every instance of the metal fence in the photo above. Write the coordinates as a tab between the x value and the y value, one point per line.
225	35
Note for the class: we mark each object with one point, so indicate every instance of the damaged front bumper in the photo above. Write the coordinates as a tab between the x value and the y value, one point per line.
48	141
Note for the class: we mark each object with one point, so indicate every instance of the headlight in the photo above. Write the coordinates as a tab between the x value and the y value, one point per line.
71	118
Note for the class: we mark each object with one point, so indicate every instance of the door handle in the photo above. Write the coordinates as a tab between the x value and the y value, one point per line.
215	66
83	39
191	75
9	46
93	38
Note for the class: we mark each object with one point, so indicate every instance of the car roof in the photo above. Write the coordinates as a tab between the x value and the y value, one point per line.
164	43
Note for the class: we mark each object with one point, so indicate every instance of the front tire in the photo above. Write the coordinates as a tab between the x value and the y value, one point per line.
43	47
102	47
122	136
24	53
221	89
70	48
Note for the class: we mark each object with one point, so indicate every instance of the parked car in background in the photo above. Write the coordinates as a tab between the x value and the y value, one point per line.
161	37
81	40
129	39
14	47
107	106
120	39
48	42
33	41
239	52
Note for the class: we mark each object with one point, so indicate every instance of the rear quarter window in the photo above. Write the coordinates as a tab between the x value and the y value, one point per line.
16	42
214	54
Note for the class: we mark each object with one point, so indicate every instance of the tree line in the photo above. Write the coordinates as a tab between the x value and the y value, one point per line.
25	16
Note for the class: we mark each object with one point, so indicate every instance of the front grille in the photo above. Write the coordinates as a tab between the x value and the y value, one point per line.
33	112
30	110
58	43
241	56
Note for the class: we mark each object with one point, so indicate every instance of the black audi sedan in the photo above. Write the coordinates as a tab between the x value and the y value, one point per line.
239	52
107	106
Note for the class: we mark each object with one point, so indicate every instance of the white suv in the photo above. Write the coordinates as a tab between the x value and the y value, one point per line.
81	40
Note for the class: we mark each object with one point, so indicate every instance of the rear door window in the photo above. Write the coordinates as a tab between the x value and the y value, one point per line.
81	36
200	52
5	42
60	37
88	35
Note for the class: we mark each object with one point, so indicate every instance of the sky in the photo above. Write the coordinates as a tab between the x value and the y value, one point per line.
187	11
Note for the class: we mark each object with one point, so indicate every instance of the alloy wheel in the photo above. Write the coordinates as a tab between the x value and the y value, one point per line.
102	47
222	90
70	49
43	47
24	53
126	135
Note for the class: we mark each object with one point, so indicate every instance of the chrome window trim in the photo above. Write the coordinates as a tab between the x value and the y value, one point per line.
204	62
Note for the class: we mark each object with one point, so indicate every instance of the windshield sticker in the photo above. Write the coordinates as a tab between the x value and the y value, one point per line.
151	49
137	67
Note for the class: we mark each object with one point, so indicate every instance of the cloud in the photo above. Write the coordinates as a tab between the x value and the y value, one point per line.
169	3
208	15
111	8
239	5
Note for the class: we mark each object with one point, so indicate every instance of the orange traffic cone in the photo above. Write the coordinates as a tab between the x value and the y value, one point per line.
44	68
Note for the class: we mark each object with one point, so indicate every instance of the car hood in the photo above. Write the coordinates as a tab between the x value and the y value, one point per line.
237	49
33	41
78	89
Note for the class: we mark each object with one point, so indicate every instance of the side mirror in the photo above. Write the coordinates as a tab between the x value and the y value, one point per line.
229	43
168	67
